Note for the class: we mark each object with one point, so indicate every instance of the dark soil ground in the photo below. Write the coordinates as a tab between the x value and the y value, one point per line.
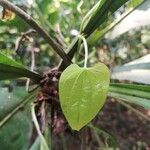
131	131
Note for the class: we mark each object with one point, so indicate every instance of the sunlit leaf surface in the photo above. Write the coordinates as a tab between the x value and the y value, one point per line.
82	93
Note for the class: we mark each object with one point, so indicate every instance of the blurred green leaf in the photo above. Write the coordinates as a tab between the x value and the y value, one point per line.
131	86
17	23
132	67
133	90
136	94
101	12
10	69
110	140
110	23
15	132
44	5
53	17
10	100
36	145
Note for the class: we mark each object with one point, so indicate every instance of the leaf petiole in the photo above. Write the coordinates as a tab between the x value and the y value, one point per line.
85	48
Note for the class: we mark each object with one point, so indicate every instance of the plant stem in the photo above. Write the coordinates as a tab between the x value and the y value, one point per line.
28	19
89	56
31	68
85	48
43	142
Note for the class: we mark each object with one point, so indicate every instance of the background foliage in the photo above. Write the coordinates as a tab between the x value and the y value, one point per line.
62	20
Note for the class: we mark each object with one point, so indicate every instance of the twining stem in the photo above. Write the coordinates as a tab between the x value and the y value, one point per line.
89	56
28	19
86	50
43	142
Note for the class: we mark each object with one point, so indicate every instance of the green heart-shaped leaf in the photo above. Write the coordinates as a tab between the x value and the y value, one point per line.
83	92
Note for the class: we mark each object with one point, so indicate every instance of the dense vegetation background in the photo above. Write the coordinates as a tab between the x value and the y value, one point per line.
120	124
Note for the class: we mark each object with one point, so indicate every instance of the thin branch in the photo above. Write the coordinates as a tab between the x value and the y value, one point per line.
24	35
43	141
31	69
28	19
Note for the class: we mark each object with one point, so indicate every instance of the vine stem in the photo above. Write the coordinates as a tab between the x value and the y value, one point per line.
28	19
45	146
86	50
